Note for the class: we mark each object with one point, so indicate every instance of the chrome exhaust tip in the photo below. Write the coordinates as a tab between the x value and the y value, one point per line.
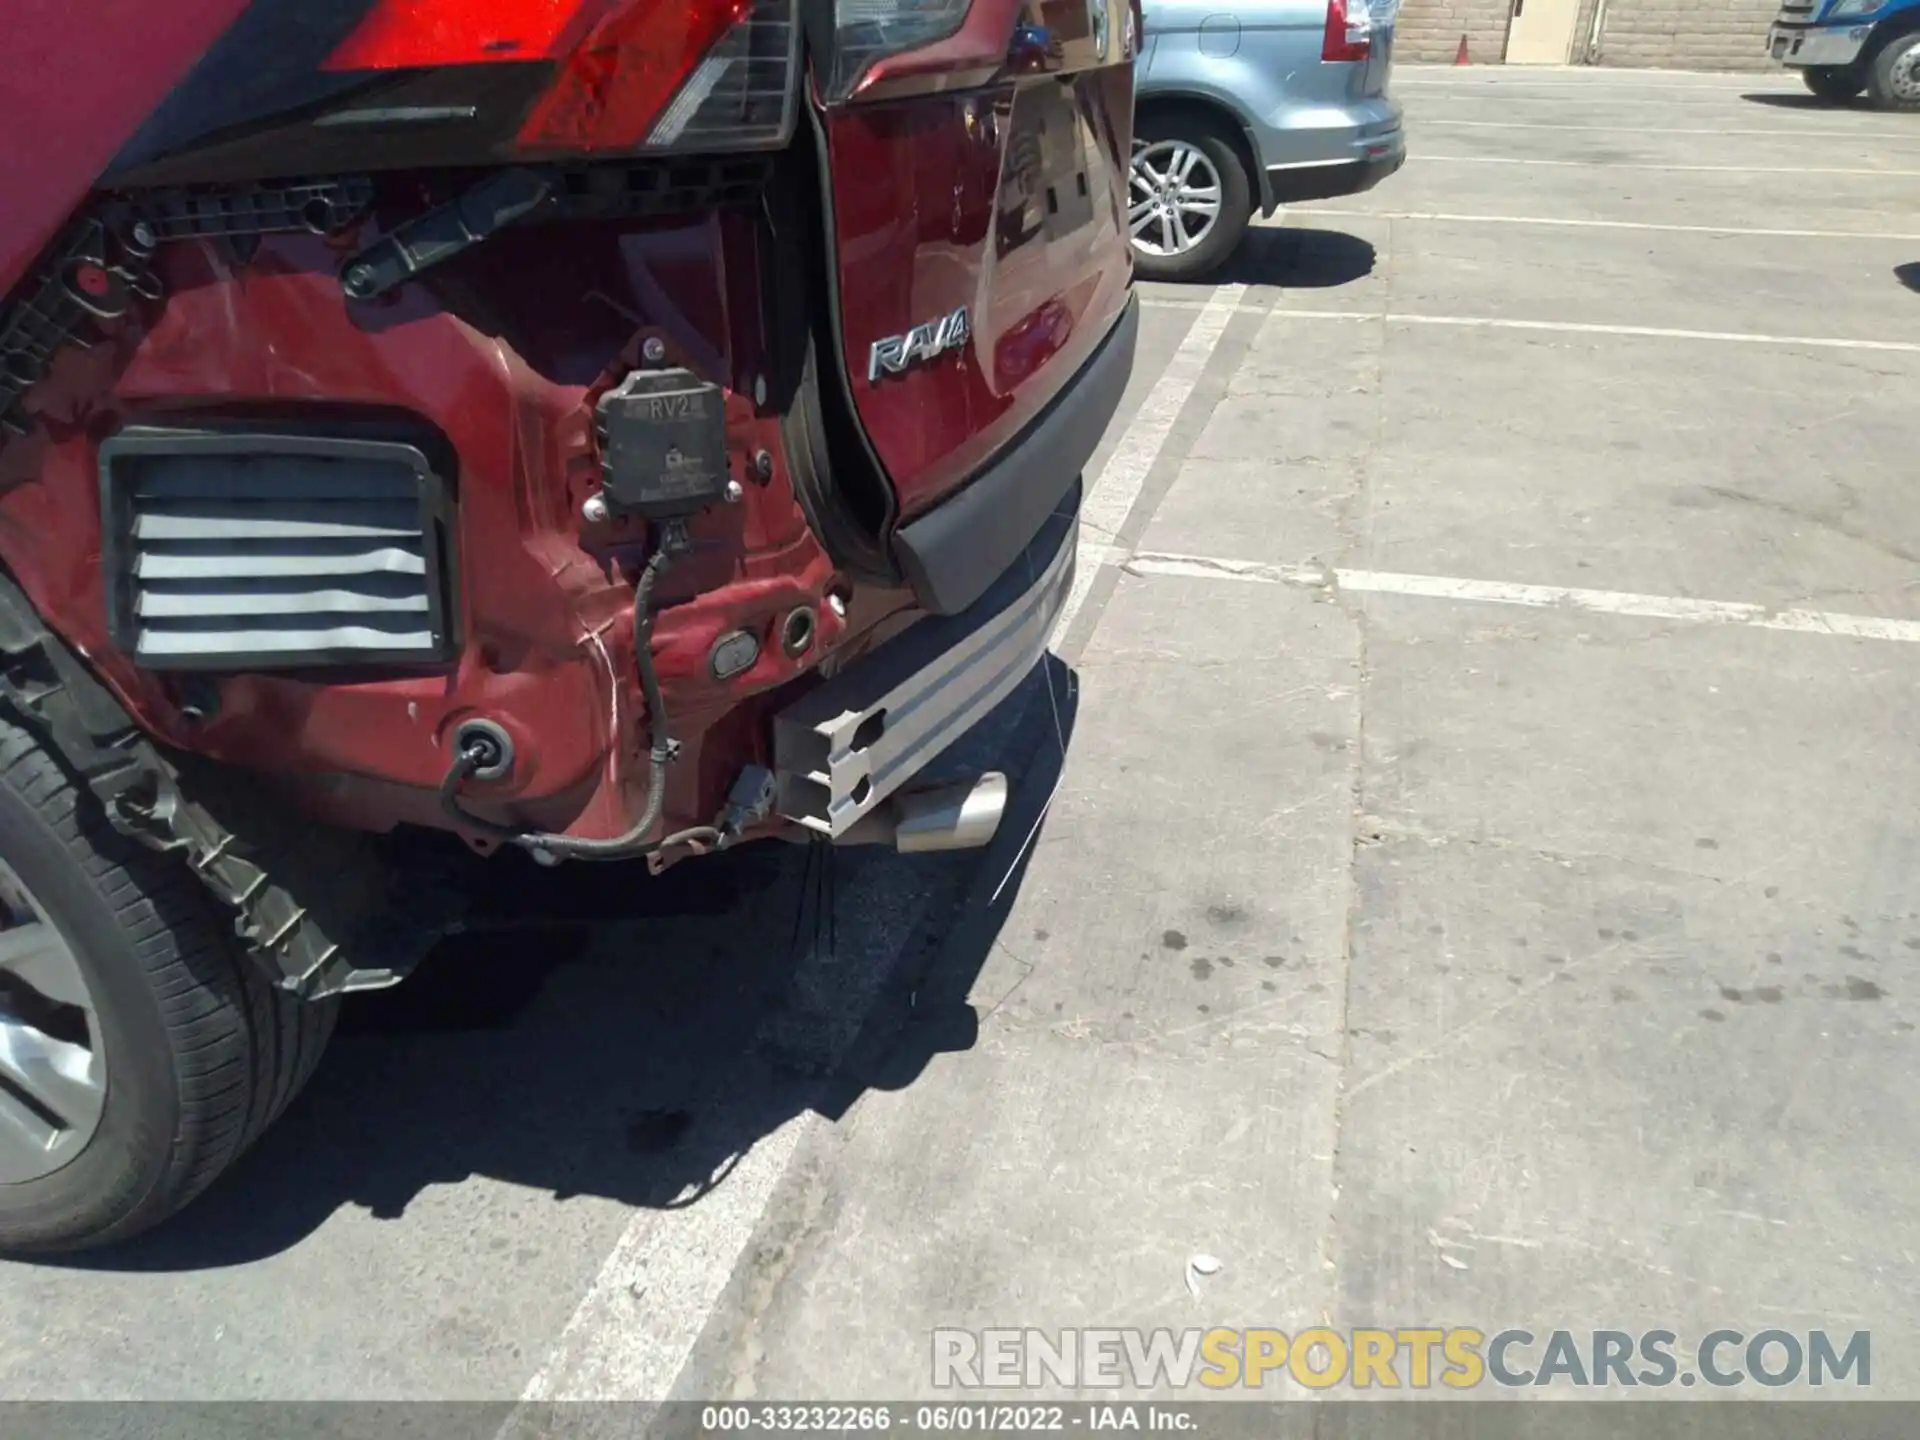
962	816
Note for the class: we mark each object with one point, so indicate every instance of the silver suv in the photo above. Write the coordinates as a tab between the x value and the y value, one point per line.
1253	103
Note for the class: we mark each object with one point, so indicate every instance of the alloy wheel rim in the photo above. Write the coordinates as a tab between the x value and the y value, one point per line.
53	1071
1174	197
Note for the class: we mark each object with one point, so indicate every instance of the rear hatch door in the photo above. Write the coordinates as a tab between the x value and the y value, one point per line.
978	186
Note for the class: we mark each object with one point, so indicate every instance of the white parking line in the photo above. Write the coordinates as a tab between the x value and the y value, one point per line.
1579	94
1908	136
1557	95
1575	327
1448	77
1426	159
1112	492
1440	72
1905	236
1539	597
638	1321
1656	332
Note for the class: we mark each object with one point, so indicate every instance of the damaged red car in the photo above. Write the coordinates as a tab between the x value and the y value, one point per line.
613	430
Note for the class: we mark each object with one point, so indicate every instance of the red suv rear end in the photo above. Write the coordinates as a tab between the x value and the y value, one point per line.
612	429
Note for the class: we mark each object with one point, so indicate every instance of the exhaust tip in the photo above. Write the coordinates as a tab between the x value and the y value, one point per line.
962	816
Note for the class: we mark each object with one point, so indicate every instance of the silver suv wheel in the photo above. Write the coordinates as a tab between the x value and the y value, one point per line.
53	1069
1174	199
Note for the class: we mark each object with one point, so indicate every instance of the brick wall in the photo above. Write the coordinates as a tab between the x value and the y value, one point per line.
1687	34
1656	34
1430	30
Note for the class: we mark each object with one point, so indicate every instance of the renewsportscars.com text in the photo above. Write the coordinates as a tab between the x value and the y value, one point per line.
1412	1357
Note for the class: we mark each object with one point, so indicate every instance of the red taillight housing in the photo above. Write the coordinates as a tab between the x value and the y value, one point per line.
1349	33
629	76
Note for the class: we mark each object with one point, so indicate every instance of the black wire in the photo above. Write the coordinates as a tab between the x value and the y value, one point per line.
832	867
800	904
633	842
819	907
643	647
464	764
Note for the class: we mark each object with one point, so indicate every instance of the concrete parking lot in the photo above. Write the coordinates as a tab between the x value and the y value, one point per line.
1478	889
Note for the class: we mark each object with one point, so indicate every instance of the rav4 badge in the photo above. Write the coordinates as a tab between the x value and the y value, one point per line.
892	354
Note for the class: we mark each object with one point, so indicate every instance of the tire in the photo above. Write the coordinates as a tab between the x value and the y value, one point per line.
1835	84
1893	80
1157	137
196	1052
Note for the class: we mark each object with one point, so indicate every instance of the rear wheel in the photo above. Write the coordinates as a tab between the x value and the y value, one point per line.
1190	198
1893	83
1836	83
140	1052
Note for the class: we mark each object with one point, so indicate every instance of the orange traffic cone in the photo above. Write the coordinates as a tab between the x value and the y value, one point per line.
1460	55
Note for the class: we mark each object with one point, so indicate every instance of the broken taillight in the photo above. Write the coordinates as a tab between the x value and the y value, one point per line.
1349	34
674	75
629	76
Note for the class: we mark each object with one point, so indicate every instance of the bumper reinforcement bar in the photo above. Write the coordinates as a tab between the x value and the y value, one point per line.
842	748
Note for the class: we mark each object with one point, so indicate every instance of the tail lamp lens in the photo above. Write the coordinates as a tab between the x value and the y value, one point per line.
630	76
419	34
742	94
1349	33
868	30
669	75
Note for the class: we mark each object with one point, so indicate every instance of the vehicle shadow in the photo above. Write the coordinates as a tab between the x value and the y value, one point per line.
631	1038
1298	258
1908	274
1794	100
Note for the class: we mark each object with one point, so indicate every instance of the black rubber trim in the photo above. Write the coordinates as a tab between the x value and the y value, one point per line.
954	552
1293	185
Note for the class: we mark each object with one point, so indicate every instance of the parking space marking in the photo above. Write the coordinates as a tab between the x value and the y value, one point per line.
1655	332
1577	327
1557	95
1111	495
1439	72
1427	159
1910	136
1453	217
634	1328
1538	597
1447	77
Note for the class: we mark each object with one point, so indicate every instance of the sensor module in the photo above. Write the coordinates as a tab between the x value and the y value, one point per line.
663	444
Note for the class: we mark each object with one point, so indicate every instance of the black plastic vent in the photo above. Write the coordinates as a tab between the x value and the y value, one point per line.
230	550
